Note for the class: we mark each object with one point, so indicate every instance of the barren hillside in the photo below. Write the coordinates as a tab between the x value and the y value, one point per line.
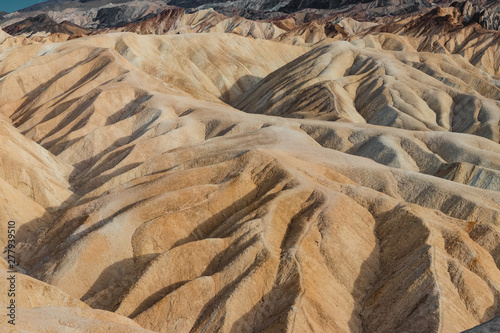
195	172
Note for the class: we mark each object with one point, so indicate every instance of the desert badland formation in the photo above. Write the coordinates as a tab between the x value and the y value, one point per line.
252	166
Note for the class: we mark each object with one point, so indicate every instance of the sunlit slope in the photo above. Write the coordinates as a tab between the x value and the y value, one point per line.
404	89
185	214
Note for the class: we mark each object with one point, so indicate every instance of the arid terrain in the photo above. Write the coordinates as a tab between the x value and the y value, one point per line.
265	166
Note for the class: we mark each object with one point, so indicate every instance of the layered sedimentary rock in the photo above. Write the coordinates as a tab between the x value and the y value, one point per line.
382	87
175	21
89	14
99	14
252	222
184	174
158	24
43	24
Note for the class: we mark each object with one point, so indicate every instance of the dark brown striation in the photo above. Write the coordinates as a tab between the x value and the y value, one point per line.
43	23
158	24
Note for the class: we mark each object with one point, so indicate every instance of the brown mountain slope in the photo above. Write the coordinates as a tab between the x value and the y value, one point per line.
158	24
43	24
442	30
175	21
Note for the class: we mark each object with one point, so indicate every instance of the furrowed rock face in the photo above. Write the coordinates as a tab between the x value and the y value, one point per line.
99	14
397	89
43	24
195	172
486	13
296	5
176	21
89	14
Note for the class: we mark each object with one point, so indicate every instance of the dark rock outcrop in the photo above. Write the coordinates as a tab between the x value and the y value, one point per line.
491	326
43	23
155	24
486	13
110	17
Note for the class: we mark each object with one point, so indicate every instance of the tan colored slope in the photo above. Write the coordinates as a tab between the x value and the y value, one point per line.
206	218
42	307
64	319
198	20
176	21
235	208
96	100
3	36
462	158
32	293
478	46
244	27
353	27
217	64
475	44
441	30
344	81
317	31
38	38
209	67
32	170
309	33
33	183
